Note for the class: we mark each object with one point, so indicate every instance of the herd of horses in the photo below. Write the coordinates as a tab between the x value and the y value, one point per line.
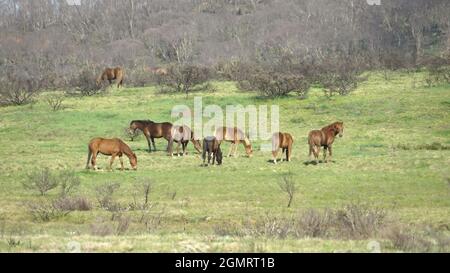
210	149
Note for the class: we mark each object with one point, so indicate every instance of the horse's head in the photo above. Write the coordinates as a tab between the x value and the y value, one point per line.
339	128
133	161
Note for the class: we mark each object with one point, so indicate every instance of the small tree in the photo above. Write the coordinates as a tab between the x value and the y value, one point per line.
287	185
56	102
18	89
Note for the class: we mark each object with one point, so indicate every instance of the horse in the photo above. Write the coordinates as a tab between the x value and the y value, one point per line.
111	74
235	136
282	141
324	138
166	130
182	135
113	147
212	146
158	71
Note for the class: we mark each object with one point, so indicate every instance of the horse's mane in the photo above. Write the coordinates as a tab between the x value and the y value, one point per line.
330	127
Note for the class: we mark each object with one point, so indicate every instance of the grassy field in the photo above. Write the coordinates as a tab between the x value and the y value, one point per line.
386	159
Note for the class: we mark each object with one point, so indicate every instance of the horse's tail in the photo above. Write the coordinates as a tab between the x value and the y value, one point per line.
89	158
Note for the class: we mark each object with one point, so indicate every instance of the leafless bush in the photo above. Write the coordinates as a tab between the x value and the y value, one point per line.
46	210
72	204
438	70
55	101
314	223
41	181
85	83
407	241
359	220
68	182
122	224
287	185
339	83
105	194
141	196
101	228
18	89
273	84
183	78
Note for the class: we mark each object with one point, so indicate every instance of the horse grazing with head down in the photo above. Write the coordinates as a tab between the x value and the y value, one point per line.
182	135
113	147
324	138
235	136
110	74
282	141
211	146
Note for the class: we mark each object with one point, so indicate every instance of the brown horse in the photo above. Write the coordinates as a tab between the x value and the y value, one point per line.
178	134
113	147
282	141
158	71
111	74
235	136
324	138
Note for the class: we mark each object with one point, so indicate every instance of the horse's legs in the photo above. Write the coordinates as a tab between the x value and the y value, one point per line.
231	149
94	160
209	157
214	158
236	146
275	156
113	157
330	152
153	142
121	163
316	153
185	144
149	143
310	152
325	154
178	148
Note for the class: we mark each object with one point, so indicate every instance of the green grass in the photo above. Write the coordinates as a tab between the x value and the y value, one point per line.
379	116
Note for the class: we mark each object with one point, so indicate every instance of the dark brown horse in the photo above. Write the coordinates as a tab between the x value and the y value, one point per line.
211	146
112	147
110	74
324	138
178	134
282	141
235	136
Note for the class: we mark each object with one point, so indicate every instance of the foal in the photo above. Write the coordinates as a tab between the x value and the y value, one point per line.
212	146
282	141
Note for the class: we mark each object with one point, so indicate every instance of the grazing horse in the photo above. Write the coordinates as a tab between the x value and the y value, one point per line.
111	74
212	146
324	138
282	141
178	134
113	147
158	71
235	136
182	135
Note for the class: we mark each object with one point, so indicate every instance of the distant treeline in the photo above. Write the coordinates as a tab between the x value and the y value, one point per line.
55	42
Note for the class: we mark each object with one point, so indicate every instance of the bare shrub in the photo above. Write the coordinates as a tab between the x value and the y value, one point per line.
72	204
55	101
41	181
68	182
18	88
314	223
101	228
359	220
274	84
141	196
339	83
287	185
183	78
85	83
407	241
46	210
122	224
105	194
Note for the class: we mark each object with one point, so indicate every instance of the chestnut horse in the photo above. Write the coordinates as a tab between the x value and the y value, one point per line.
282	141
324	138
113	147
178	134
111	74
235	136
